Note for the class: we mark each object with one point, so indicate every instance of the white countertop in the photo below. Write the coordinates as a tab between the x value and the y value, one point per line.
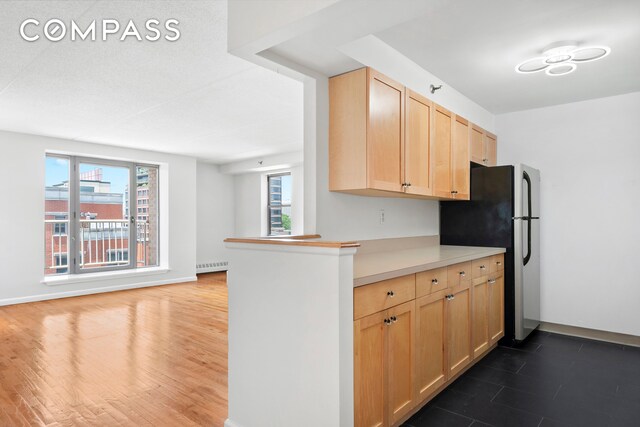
376	266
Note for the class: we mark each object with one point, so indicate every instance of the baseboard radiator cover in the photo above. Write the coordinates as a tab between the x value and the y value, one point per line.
211	267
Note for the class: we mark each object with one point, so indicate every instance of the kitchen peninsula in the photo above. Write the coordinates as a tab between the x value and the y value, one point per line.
302	310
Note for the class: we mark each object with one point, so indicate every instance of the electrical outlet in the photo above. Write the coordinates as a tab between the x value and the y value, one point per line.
381	216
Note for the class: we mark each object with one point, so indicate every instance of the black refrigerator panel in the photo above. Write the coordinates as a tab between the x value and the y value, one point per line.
486	219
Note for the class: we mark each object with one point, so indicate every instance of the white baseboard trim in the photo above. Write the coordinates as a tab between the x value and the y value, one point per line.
229	423
100	290
594	334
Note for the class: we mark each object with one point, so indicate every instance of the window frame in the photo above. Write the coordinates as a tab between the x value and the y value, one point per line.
281	205
130	202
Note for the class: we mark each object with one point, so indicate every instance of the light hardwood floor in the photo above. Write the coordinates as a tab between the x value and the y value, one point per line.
154	356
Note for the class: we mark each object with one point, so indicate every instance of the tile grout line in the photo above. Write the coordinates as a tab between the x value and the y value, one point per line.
458	414
496	395
556	393
520	368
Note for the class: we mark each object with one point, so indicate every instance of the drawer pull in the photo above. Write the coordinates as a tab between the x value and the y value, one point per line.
462	274
482	267
390	294
387	322
491	282
450	297
434	281
454	192
394	319
499	262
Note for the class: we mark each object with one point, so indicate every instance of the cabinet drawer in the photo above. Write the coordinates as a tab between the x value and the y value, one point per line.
458	273
369	299
481	267
497	263
431	281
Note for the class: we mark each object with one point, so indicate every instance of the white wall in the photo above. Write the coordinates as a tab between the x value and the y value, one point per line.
215	213
22	214
588	154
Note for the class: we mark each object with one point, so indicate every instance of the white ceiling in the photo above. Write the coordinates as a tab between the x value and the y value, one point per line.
189	97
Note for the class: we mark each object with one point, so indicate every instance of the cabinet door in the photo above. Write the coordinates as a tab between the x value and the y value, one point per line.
385	134
460	159
480	316
369	365
496	308
490	150
442	153
431	363
459	328
401	342
477	145
417	145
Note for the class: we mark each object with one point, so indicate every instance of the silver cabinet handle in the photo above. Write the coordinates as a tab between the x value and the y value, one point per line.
390	294
499	262
482	267
394	319
434	281
462	274
491	282
387	322
454	192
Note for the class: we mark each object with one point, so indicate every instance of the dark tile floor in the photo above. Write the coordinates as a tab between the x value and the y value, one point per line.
550	380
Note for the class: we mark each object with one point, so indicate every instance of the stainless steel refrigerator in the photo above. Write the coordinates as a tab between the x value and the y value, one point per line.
504	211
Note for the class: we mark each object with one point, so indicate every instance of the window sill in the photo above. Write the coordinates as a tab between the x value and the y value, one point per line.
69	279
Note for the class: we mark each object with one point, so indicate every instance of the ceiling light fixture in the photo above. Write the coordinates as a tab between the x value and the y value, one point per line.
559	59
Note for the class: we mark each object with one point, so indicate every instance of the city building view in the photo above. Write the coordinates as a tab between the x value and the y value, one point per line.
279	205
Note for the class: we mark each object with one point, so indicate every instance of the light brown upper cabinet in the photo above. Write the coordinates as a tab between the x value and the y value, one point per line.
417	151
483	146
379	136
451	155
491	149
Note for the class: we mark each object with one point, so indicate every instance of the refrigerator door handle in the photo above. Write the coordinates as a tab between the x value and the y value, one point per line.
526	177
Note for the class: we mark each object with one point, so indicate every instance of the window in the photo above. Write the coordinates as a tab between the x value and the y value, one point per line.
89	200
279	204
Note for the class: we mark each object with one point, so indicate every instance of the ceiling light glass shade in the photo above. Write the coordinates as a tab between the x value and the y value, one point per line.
555	59
532	65
561	69
590	53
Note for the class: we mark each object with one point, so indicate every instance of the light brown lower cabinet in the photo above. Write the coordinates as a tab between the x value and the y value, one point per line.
384	366
431	337
480	316
488	304
459	328
405	353
496	307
